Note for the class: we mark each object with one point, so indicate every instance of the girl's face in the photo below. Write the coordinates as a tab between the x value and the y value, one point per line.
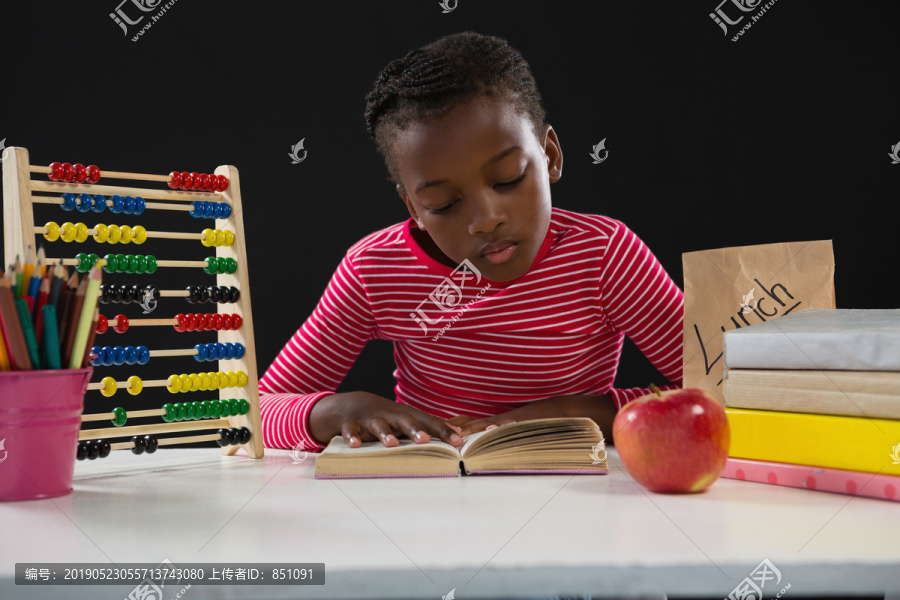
478	181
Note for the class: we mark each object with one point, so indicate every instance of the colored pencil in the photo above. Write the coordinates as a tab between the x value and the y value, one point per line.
50	344
65	306
92	287
59	278
74	318
41	302
4	356
86	362
28	331
42	261
12	328
27	270
16	281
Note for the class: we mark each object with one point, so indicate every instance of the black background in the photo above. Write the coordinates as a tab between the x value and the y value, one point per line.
781	136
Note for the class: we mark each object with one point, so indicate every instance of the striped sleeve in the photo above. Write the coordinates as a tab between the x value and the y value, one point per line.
642	301
315	360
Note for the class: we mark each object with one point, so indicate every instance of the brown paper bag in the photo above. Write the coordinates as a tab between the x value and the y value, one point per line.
728	288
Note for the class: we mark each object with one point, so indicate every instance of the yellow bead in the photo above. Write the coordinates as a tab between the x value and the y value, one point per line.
174	385
232	379
223	379
208	238
67	231
241	379
109	386
127	234
81	232
220	237
204	381
115	234
140	234
213	380
185	383
195	382
52	231
229	237
102	233
135	385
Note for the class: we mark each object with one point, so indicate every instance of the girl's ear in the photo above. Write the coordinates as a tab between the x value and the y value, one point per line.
410	207
553	152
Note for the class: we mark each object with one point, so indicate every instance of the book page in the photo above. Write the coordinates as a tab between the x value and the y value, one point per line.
337	445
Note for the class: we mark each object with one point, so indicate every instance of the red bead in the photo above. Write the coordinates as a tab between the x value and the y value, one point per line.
204	182
93	174
192	322
218	321
102	324
196	181
227	322
202	322
80	173
56	171
186	180
174	180
236	321
68	172
179	327
121	324
223	183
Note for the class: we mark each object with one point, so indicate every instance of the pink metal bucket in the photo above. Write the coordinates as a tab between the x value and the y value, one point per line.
40	417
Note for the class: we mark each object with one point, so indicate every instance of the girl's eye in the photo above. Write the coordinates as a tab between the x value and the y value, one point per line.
439	211
513	182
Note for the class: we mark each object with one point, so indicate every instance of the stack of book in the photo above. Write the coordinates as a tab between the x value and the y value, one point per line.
813	401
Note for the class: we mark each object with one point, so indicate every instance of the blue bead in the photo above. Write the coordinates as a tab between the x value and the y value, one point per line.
117	204
239	351
86	203
131	355
229	351
217	210
109	355
140	205
143	355
209	210
226	210
120	355
69	202
129	205
99	203
202	352
98	360
197	213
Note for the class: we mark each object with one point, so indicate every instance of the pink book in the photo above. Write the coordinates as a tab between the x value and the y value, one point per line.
840	481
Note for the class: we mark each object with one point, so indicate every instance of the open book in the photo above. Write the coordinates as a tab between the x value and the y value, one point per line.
558	445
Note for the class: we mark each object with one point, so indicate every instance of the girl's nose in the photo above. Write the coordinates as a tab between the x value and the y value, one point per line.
488	214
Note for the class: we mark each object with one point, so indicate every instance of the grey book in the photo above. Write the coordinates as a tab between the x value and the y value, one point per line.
816	338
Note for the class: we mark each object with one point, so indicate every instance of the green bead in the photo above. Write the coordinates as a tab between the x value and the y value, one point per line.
82	259
140	263
151	264
212	265
92	259
131	266
112	263
122	259
235	407
202	409
170	412
244	406
179	411
230	265
226	408
119	416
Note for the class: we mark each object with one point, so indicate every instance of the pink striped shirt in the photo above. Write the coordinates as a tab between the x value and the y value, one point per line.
467	345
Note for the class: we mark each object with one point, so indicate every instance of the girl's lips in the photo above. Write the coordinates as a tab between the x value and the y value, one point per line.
501	255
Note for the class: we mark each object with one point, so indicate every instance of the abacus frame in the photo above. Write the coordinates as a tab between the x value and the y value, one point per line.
19	232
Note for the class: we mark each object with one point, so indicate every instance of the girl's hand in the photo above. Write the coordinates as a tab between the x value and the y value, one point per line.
364	417
600	408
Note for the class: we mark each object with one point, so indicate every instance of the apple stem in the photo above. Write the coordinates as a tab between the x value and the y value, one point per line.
655	389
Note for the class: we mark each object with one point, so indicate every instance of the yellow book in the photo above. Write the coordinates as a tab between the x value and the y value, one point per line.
831	441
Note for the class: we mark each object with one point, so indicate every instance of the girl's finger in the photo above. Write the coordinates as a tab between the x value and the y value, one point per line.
350	433
382	431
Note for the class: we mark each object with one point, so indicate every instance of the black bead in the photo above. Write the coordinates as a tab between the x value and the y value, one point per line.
82	452
116	292
234	294
224	292
214	295
151	443
137	293
105	448
204	295
225	437
245	435
193	294
154	292
104	293
93	451
138	444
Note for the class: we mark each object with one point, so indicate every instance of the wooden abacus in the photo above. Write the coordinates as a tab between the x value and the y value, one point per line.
234	423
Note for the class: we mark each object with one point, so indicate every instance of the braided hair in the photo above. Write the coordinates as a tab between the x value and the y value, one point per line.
428	82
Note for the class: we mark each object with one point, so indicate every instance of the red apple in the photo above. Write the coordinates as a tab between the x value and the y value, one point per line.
674	441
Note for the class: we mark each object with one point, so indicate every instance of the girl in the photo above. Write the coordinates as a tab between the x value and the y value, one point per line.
501	308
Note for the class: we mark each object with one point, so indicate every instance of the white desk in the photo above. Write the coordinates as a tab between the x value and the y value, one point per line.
487	537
